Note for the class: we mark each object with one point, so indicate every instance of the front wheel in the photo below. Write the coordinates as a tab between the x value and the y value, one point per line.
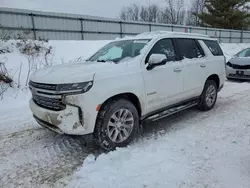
117	124
208	97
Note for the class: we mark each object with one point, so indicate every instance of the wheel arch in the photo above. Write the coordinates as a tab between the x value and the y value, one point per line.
215	78
128	96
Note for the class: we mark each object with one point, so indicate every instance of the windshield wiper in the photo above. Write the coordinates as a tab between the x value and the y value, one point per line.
103	61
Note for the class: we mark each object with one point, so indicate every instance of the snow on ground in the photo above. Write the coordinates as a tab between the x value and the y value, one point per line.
189	149
192	149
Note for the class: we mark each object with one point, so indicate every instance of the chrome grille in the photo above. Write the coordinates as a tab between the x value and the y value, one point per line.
43	96
51	87
234	66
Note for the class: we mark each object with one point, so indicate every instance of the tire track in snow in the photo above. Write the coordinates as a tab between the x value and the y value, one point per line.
39	157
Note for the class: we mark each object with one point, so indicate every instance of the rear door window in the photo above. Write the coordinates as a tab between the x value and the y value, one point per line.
214	47
188	48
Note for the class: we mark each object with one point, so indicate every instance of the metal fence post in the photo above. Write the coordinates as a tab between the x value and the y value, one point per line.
121	32
33	25
220	37
172	28
150	27
82	32
230	37
241	36
206	30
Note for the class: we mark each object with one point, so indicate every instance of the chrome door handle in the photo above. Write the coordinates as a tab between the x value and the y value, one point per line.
177	70
203	66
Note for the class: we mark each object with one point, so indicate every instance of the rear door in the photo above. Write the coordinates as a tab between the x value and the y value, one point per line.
215	59
193	66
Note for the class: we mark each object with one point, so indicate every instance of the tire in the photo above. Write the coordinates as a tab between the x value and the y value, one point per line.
108	124
208	97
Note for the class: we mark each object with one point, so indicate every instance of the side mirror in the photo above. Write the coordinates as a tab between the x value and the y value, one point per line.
156	60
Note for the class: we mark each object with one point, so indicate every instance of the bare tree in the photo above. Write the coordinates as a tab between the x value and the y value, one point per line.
153	11
174	12
124	14
133	11
130	13
198	7
144	14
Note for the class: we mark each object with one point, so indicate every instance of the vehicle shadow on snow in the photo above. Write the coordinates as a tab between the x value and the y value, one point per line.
168	124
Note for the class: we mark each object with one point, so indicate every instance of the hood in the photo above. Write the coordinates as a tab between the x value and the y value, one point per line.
240	61
70	73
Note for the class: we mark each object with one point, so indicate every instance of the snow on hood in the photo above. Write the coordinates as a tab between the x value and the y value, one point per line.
70	73
240	60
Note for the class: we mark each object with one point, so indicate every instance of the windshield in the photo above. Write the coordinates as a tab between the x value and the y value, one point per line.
244	53
119	50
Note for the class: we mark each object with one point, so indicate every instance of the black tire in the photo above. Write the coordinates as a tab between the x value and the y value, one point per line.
104	115
203	104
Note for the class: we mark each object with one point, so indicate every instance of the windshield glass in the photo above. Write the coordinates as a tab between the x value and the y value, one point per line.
244	53
119	50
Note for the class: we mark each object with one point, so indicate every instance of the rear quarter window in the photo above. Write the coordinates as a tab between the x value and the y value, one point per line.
214	47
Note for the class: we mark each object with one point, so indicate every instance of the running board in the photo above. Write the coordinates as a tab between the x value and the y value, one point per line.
172	111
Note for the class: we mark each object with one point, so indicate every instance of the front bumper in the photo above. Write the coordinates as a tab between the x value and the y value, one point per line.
66	121
238	74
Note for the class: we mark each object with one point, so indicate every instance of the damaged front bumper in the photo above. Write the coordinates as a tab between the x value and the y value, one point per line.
67	121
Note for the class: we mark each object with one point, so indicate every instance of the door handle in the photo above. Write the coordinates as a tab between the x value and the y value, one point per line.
177	70
203	66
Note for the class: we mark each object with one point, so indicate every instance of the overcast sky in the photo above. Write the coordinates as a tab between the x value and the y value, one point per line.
103	8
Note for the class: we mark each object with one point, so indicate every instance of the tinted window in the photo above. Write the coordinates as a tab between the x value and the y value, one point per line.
244	53
214	47
166	47
189	49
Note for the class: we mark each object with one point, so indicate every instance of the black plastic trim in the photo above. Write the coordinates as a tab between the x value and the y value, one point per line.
168	107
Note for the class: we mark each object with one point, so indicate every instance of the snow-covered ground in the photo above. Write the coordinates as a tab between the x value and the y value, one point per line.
190	149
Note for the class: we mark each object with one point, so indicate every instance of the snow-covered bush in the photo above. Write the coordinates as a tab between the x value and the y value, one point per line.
38	54
5	79
28	55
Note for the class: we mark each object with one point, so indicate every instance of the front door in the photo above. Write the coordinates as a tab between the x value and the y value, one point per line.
163	84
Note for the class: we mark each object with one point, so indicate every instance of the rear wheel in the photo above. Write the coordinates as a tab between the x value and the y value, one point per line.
208	97
117	124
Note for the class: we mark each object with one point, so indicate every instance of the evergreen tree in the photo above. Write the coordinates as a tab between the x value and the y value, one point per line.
227	14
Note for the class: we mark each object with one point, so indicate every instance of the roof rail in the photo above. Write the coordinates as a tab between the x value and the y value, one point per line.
171	33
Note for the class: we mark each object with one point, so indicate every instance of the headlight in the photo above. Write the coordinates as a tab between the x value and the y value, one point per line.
76	87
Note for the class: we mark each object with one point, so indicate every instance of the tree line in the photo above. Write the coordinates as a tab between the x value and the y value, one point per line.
227	14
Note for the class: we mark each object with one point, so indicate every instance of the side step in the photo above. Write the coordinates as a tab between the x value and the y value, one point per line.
172	111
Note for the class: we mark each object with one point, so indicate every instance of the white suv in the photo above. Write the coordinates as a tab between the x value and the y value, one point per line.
129	80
